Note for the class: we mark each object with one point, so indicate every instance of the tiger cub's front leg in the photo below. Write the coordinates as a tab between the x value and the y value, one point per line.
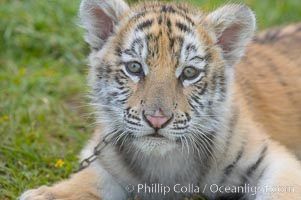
281	178
92	183
82	185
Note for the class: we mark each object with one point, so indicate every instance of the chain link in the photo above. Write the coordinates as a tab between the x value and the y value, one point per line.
97	150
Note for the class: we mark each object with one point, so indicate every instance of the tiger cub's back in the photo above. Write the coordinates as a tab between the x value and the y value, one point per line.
268	80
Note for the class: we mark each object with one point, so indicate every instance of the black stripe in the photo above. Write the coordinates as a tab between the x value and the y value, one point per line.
122	74
195	98
179	128
163	9
250	171
190	47
253	167
168	24
261	174
145	24
137	43
186	17
129	52
176	40
229	169
273	68
181	12
199	84
183	27
114	94
108	69
169	9
117	79
204	89
160	20
122	101
133	123
191	105
152	50
151	37
273	35
232	124
135	117
124	92
141	14
99	75
118	51
208	57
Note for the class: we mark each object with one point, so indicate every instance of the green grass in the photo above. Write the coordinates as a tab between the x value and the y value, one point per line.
43	117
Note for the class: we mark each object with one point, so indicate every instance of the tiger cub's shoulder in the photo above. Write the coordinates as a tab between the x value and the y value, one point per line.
268	79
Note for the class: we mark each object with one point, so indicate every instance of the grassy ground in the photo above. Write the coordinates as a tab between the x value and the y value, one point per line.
43	118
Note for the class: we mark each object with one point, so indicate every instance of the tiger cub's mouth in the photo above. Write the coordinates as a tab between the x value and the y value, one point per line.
155	135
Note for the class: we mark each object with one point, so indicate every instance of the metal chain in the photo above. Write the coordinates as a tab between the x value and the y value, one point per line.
97	150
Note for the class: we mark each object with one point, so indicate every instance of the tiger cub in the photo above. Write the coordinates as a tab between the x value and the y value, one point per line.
176	119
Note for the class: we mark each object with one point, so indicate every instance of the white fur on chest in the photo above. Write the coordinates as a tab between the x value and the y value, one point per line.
156	172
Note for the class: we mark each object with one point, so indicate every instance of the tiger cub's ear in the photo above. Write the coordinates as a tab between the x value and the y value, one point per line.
234	27
98	18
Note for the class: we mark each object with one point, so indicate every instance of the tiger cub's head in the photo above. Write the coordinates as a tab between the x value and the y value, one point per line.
161	72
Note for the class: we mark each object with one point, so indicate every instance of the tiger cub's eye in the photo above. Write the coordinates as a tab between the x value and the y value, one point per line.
134	68
190	73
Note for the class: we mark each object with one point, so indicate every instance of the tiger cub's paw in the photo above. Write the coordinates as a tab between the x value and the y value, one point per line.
41	193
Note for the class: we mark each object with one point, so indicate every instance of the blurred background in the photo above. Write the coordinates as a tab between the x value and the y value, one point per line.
44	120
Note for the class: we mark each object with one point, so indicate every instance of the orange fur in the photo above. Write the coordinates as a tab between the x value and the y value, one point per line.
269	81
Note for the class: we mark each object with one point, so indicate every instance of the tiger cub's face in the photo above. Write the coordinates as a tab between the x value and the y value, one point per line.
161	73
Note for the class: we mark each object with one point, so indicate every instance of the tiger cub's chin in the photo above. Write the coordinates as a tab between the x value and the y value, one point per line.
157	146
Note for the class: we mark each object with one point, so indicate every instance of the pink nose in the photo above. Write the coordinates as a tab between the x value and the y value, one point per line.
158	120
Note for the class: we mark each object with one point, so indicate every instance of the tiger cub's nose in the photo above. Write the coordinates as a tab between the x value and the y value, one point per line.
158	120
